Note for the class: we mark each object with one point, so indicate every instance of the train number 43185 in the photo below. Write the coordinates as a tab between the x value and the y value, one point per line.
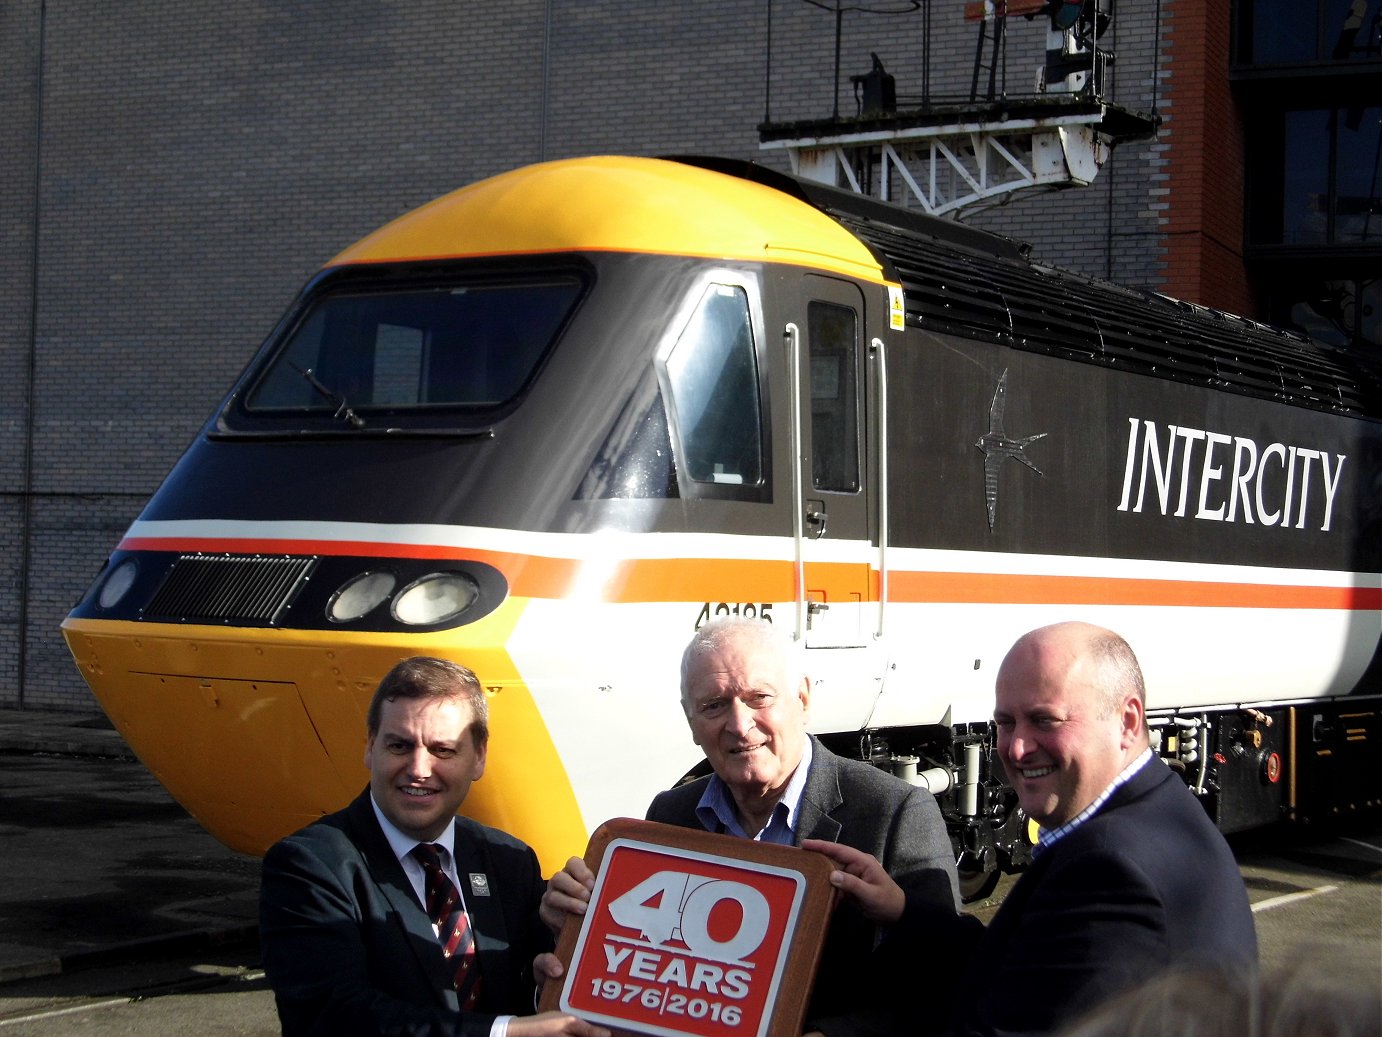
715	609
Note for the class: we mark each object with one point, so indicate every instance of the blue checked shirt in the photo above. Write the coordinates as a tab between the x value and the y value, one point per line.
1047	838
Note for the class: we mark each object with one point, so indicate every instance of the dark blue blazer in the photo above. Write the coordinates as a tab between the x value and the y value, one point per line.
856	804
348	948
1146	883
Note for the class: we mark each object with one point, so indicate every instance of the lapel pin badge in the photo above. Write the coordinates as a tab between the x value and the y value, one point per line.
479	884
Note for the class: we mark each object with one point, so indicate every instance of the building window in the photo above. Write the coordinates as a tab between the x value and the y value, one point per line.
1316	178
1336	311
1293	32
1357	208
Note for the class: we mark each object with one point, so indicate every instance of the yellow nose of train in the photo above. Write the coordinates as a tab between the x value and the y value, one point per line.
259	729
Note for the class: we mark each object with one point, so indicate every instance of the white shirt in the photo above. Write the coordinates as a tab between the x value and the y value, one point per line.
402	846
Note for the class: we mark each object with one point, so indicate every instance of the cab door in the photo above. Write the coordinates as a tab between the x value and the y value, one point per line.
836	607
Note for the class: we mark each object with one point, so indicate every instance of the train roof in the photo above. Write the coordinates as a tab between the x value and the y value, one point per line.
968	282
956	279
619	204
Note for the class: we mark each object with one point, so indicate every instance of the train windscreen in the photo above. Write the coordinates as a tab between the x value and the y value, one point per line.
402	352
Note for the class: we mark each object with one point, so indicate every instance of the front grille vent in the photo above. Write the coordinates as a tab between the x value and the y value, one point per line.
241	589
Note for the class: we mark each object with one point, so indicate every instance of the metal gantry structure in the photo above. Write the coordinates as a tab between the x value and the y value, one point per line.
943	156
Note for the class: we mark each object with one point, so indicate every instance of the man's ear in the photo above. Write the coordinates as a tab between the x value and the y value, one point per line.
478	771
1133	719
804	693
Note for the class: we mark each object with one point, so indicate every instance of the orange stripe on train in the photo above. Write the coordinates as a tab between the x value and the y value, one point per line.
722	579
996	588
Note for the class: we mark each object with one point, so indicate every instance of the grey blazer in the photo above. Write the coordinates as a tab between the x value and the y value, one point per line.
857	991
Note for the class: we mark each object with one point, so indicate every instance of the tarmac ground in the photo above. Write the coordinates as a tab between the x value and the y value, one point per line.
100	865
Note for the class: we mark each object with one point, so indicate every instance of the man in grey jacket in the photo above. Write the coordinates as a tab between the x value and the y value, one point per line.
747	702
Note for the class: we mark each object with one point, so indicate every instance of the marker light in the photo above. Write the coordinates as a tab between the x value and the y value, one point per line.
118	583
359	596
435	598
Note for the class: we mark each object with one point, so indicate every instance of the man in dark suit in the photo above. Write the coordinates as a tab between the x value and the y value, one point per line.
1130	876
747	703
394	915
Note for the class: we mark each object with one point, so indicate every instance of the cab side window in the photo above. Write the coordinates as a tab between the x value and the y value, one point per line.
713	374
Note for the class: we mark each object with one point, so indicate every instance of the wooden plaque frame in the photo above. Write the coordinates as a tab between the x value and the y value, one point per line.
755	1004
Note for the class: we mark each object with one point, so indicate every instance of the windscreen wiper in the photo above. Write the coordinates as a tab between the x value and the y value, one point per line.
343	410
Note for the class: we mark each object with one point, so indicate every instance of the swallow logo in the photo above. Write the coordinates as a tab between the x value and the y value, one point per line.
998	447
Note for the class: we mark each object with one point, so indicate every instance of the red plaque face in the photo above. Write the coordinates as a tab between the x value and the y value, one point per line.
683	943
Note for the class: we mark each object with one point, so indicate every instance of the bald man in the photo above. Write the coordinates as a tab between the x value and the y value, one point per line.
1129	874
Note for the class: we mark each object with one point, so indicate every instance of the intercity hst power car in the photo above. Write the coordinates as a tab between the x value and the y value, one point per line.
548	424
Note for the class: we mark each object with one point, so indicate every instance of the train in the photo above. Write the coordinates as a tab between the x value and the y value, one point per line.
548	424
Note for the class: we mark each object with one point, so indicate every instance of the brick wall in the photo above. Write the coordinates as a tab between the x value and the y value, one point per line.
1203	221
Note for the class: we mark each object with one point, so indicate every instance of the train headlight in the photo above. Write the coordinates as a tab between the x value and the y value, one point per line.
359	595
118	583
435	598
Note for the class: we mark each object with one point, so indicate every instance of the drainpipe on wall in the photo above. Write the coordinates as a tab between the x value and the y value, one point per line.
31	364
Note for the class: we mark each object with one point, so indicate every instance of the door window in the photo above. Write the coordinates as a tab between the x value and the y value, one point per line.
833	355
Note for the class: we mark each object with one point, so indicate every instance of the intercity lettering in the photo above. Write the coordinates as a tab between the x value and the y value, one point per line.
1269	485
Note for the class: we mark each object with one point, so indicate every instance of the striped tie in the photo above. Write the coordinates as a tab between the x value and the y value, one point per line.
453	926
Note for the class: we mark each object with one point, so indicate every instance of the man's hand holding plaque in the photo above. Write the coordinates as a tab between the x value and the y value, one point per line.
688	934
770	789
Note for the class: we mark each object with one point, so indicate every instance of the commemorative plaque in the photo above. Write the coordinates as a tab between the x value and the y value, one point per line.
692	934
